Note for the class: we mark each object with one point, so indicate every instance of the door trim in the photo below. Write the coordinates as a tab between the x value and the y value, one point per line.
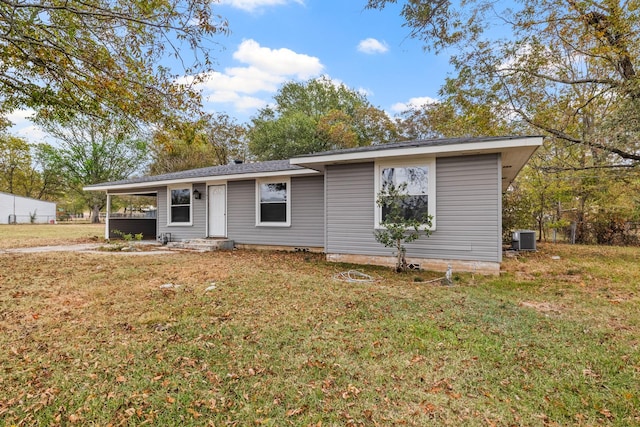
209	210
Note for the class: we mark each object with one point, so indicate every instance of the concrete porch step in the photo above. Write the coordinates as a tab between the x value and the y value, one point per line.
203	245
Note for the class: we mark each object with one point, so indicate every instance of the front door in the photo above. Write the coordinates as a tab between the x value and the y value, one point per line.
217	211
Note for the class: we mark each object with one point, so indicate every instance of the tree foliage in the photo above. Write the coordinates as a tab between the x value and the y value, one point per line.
93	151
455	116
15	160
314	116
214	139
568	68
28	169
102	57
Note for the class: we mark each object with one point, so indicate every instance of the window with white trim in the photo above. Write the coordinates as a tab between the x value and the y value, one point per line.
418	177
273	207
179	205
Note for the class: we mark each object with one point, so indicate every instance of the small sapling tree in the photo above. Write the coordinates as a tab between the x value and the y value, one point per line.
401	222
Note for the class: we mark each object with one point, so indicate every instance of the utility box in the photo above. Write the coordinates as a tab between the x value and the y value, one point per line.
523	240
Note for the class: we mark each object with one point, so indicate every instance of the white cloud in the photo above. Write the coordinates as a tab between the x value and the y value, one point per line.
20	115
278	61
418	102
366	92
24	127
372	46
241	102
264	71
253	5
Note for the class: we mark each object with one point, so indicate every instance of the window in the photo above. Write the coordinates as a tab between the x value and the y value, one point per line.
273	207
179	205
419	179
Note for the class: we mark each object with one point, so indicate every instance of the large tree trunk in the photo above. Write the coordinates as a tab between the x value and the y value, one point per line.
95	214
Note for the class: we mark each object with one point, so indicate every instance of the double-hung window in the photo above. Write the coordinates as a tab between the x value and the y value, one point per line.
273	207
179	205
417	178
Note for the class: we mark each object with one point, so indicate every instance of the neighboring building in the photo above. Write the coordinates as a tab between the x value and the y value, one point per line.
327	201
24	210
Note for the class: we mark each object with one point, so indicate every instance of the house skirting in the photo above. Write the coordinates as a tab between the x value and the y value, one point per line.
480	267
280	248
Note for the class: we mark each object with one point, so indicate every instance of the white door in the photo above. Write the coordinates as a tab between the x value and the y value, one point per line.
217	211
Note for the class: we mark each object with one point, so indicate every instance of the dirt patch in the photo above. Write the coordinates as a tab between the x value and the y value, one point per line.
542	307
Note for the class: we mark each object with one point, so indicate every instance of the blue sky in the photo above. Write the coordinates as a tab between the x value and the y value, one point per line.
275	41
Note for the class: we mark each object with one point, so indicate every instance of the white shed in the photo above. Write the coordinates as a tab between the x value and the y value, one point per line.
24	210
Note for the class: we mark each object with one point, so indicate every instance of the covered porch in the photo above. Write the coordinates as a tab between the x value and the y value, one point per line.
134	214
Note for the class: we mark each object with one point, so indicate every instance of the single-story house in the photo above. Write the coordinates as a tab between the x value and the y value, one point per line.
327	201
24	210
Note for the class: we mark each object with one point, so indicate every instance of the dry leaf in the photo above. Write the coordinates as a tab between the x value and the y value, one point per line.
292	412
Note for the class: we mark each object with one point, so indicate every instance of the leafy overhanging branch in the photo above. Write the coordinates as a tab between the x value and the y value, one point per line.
566	69
100	55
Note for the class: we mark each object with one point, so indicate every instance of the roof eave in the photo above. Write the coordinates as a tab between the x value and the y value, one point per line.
515	153
214	178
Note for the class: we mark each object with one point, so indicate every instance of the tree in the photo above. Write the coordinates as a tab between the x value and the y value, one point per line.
103	57
42	178
456	116
93	151
48	182
214	139
15	161
29	170
568	68
398	227
314	116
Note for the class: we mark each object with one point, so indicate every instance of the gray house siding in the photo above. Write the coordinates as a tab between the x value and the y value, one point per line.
350	202
468	215
307	215
198	229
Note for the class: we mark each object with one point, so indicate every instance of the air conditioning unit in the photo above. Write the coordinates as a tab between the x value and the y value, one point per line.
523	240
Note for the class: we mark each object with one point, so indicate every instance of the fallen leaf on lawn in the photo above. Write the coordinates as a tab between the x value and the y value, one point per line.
292	412
607	413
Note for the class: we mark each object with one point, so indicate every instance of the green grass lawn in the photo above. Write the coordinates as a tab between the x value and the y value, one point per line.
92	339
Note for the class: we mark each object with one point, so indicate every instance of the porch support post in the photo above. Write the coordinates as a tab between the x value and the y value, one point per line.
106	218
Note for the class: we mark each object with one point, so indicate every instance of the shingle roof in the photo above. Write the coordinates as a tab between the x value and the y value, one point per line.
414	143
222	170
285	165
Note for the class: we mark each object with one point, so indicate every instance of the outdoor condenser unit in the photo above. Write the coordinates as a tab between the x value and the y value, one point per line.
523	240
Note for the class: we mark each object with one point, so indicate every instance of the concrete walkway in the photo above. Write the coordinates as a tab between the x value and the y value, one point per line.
81	247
